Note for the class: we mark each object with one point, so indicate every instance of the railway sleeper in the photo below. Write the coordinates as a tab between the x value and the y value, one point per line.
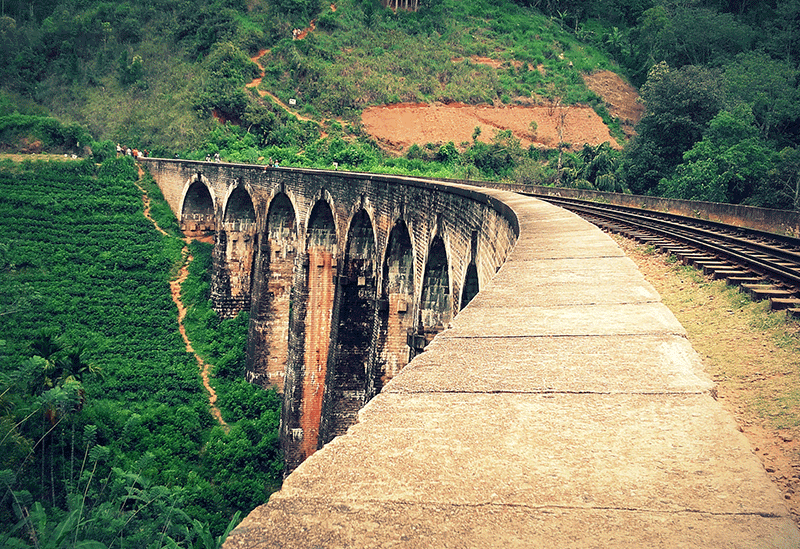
739	280
709	268
610	227
782	303
727	274
759	292
644	238
650	237
657	245
676	253
793	312
692	258
698	261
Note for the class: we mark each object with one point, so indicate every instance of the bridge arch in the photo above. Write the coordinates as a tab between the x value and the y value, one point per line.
312	317
234	253
239	205
470	284
268	338
395	315
282	219
354	314
436	304
321	230
198	207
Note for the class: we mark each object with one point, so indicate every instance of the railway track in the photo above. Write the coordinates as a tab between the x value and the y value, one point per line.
764	265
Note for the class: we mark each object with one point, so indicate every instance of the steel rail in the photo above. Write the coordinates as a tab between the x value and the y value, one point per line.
705	236
781	239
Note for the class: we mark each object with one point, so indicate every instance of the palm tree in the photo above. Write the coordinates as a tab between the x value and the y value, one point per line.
72	366
46	344
60	383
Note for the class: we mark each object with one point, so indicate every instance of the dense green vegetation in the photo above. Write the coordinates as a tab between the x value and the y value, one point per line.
106	430
719	80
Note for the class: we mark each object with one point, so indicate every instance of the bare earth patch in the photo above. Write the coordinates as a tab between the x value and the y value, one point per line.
488	61
621	99
752	354
399	126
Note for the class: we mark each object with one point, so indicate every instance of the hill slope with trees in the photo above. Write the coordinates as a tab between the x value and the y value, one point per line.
719	83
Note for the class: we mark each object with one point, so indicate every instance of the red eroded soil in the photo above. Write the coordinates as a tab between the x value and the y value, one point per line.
397	127
621	99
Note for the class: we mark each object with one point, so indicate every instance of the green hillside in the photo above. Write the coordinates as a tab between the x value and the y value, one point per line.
106	430
150	73
719	80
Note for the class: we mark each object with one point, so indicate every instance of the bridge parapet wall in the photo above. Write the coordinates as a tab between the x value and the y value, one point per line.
784	222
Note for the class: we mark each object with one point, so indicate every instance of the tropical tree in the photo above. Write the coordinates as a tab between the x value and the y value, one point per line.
680	103
689	34
785	179
768	86
729	164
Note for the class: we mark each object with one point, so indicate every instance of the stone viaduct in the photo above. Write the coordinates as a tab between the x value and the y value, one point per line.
563	406
346	276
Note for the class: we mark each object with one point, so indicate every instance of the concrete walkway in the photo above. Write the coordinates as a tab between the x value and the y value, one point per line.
563	408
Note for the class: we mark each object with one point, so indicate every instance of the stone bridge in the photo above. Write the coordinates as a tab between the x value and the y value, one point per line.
346	276
564	406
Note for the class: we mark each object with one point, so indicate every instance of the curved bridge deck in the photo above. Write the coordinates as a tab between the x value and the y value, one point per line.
564	407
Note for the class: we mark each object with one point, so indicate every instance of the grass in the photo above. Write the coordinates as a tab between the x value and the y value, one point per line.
346	65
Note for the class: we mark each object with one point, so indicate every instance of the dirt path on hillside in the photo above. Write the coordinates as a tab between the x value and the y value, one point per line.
205	368
175	289
256	82
37	157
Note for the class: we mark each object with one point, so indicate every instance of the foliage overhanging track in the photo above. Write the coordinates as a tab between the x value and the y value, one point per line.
771	258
